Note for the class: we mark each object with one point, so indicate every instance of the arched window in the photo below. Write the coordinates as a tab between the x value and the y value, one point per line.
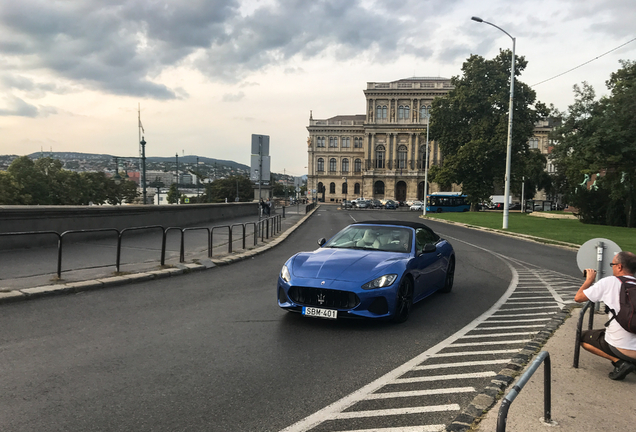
424	111
402	153
346	142
320	166
320	141
344	188
345	165
357	165
378	188
380	155
356	189
357	142
332	164
333	142
332	188
381	112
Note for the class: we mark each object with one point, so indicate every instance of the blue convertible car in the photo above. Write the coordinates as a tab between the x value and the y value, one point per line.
375	269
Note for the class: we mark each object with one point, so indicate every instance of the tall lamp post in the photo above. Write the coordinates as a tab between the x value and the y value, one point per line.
509	145
427	114
143	166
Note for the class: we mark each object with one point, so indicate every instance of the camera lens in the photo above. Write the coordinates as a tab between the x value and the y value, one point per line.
584	273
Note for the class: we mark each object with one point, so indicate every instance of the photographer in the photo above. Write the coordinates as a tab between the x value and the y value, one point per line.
614	342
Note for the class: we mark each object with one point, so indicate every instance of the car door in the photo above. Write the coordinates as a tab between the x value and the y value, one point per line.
428	265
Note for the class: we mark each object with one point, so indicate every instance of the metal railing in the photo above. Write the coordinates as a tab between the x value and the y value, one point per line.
266	228
577	343
543	356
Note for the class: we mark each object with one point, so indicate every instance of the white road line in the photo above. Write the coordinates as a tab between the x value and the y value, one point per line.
445	377
425	428
516	299
464	353
395	411
462	364
509	327
520	315
499	342
499	335
413	393
526	308
516	321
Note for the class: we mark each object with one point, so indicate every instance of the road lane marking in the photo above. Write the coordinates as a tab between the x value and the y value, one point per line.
463	353
462	364
426	428
395	411
499	342
391	395
446	377
499	335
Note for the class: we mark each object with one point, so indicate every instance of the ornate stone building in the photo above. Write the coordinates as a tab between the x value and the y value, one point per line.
379	154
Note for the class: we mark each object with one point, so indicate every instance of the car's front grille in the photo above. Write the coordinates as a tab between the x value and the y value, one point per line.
326	298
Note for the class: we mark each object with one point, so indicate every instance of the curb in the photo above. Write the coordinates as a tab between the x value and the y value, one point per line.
125	279
527	237
493	391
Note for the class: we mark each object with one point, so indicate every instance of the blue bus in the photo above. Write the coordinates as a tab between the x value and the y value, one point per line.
439	202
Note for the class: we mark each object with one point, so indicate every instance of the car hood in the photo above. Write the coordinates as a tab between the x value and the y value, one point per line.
343	264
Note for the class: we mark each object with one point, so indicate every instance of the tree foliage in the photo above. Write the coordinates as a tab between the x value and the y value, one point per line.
45	182
597	141
471	126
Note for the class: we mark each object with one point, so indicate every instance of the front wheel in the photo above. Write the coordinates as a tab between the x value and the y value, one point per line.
450	276
404	300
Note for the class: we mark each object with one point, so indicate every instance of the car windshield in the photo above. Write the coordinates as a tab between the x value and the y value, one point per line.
380	238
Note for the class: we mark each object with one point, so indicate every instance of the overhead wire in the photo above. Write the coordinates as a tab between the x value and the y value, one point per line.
583	64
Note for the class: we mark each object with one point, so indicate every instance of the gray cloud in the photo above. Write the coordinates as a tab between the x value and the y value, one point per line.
233	97
15	106
121	46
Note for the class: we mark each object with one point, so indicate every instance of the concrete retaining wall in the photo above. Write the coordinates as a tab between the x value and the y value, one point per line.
64	218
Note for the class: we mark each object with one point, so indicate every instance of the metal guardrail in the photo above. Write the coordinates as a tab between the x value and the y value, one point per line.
577	343
265	228
502	417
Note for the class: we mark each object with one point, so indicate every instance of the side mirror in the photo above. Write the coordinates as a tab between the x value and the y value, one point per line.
428	248
322	241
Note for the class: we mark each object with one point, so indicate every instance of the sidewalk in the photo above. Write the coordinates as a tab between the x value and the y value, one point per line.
583	399
25	288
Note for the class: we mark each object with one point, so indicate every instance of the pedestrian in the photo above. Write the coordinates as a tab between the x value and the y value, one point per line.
613	342
268	207
262	207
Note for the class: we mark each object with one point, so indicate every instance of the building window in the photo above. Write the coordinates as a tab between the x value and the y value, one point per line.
356	189
378	188
320	166
345	165
332	188
332	164
381	112
346	142
345	188
403	112
357	142
380	157
357	165
402	154
533	143
333	141
320	141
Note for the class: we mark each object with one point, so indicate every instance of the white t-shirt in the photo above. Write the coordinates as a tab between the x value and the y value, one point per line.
608	291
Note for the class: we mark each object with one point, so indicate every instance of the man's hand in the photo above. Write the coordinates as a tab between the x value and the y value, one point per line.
590	277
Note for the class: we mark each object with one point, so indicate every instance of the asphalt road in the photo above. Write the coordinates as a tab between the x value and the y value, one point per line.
212	351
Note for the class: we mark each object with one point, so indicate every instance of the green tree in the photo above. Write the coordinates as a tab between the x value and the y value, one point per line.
9	190
31	184
219	190
173	194
599	137
471	126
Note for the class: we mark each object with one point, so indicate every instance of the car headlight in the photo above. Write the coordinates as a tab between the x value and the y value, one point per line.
284	274
381	282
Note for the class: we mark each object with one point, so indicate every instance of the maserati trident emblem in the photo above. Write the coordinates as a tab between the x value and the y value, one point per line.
321	298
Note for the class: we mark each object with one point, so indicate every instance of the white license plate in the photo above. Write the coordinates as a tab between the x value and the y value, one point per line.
320	313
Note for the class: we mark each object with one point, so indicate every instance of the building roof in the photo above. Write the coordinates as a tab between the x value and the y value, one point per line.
348	117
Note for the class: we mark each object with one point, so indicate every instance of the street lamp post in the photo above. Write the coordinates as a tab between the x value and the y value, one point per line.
427	114
346	190
143	166
510	107
116	177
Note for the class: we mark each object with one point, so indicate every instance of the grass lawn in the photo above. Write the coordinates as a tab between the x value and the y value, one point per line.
566	230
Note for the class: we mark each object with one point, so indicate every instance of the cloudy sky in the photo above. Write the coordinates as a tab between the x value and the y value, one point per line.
209	73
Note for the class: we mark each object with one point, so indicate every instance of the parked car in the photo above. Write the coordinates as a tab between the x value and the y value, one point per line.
369	270
390	205
347	204
376	203
417	205
363	204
